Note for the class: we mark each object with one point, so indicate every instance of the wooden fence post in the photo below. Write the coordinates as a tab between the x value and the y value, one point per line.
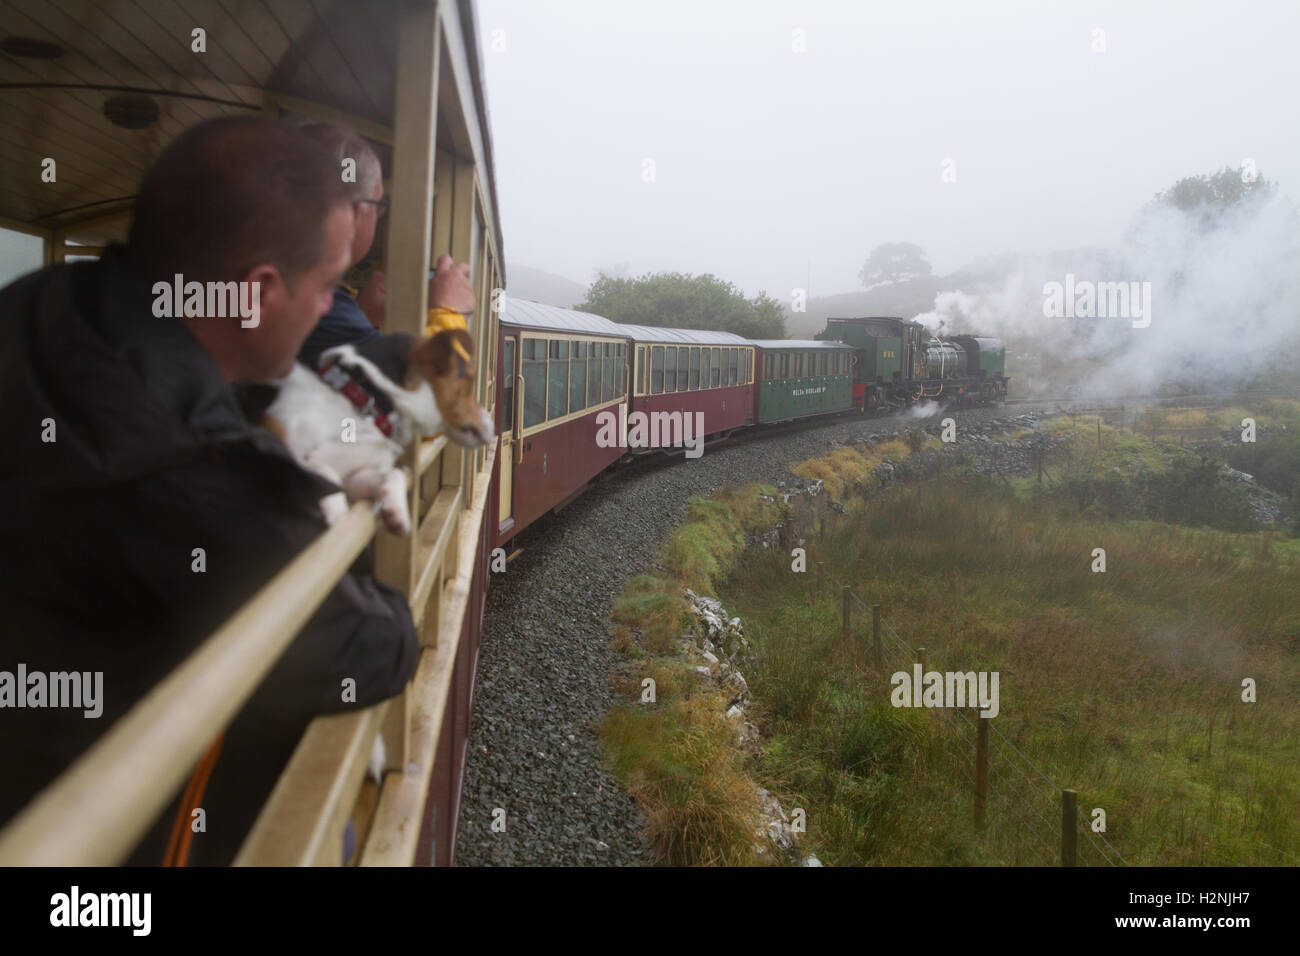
875	631
845	597
1069	827
981	766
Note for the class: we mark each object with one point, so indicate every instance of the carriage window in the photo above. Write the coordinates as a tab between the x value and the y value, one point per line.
715	358
695	368
607	375
534	369
593	374
557	392
670	369
508	385
656	370
578	377
19	254
683	368
733	366
746	365
620	370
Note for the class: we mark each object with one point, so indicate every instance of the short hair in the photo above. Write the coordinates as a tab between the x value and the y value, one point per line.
231	193
344	144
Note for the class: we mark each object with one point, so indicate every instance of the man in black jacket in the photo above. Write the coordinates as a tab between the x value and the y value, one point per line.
139	509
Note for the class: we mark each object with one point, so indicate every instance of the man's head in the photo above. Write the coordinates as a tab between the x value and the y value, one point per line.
247	199
352	152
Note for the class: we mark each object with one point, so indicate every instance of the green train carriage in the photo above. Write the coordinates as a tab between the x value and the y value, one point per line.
798	379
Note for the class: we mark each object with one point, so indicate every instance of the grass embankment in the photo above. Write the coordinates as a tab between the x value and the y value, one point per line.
850	465
1125	685
1273	411
677	755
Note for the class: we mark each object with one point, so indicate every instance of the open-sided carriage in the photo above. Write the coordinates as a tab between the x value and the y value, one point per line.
90	92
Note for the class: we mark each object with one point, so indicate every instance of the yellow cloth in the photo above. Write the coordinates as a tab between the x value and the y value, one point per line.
440	320
444	320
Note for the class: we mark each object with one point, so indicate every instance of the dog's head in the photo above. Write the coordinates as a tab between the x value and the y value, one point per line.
445	361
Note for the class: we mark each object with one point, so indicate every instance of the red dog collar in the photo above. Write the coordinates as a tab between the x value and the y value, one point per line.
355	385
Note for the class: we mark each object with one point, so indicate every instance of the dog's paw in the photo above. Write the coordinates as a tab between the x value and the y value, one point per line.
334	507
396	517
378	758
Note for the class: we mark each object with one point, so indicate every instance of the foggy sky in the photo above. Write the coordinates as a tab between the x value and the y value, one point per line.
767	160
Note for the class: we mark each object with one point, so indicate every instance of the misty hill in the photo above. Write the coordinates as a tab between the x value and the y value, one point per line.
544	287
913	297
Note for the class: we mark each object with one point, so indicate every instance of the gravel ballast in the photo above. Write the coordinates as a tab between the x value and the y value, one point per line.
543	683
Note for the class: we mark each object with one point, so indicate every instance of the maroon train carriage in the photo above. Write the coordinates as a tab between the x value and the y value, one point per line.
692	373
560	369
562	403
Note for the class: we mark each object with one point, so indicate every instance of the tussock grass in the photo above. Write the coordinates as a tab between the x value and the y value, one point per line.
1125	685
853	463
679	761
1276	411
677	755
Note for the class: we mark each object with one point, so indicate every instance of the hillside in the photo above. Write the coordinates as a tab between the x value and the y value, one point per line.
545	287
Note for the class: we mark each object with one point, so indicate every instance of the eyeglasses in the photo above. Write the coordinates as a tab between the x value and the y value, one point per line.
381	206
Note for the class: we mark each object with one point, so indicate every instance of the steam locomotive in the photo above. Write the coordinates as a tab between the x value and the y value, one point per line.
897	362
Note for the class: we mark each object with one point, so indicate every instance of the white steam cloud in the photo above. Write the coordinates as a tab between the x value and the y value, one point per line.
1225	305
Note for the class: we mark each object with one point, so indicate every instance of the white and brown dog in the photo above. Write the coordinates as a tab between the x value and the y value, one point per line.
350	419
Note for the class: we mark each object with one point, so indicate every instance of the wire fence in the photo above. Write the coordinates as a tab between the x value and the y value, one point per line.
1010	791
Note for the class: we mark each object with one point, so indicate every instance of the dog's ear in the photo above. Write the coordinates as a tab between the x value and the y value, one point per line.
446	355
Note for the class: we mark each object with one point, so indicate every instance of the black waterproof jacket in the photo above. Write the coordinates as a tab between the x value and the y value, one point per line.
151	460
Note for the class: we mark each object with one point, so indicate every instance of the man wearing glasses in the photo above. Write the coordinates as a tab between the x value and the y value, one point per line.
351	320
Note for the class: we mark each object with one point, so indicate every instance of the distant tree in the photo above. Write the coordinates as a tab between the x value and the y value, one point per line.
894	262
671	299
1212	195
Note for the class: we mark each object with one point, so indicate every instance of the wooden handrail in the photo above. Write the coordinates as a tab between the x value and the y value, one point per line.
301	823
396	829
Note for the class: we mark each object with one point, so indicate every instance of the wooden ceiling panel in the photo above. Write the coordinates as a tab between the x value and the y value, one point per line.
338	53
